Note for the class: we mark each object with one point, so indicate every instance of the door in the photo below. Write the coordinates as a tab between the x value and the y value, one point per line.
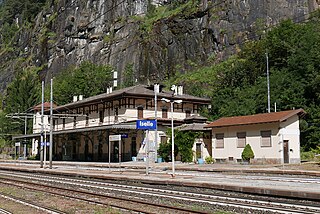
286	151
115	151
133	146
198	151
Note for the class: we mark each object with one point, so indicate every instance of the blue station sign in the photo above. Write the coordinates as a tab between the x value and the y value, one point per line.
146	124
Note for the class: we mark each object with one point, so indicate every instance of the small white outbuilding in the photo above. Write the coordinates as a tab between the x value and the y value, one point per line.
274	137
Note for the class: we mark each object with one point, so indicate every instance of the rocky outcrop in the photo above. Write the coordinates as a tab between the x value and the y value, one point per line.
116	32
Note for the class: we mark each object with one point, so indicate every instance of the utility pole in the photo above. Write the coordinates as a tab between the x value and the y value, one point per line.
156	91
41	138
51	124
268	83
25	139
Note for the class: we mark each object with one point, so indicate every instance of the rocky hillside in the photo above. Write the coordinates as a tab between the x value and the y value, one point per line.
153	38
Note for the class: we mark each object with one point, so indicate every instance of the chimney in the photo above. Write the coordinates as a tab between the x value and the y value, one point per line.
110	90
115	79
80	97
180	90
75	98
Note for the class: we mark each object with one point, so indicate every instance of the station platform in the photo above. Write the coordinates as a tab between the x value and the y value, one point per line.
278	180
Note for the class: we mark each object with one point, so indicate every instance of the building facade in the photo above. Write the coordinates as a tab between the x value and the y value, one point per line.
81	129
274	137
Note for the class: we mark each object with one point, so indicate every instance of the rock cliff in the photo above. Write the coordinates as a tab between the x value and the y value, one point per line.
144	35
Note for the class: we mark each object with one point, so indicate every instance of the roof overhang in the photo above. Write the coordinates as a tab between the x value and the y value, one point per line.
70	131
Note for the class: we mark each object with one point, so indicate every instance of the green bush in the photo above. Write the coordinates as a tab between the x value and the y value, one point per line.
247	153
164	151
307	156
209	160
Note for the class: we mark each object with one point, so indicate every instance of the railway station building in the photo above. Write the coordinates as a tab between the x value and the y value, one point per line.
82	129
274	137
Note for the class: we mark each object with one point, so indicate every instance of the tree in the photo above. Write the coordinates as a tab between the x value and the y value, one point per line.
23	92
247	153
184	141
87	80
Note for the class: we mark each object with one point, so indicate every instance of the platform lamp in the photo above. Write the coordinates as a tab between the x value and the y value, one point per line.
172	101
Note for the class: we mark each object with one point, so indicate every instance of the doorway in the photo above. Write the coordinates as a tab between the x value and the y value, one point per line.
198	151
115	155
286	151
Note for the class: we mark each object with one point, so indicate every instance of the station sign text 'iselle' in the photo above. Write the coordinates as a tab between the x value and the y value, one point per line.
146	124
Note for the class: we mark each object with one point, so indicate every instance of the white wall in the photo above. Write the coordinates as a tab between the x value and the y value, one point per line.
253	137
290	131
287	130
37	123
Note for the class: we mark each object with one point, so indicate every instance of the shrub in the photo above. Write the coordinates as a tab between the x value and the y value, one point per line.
307	156
164	151
209	160
247	153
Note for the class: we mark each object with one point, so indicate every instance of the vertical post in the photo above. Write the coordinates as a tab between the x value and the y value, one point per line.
41	138
156	91
45	148
147	152
268	83
172	139
51	124
120	154
109	150
25	139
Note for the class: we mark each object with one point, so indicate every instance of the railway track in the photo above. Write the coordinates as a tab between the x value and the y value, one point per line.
28	203
140	192
3	211
123	204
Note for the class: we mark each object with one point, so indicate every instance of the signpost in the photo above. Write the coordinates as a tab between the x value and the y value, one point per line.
147	125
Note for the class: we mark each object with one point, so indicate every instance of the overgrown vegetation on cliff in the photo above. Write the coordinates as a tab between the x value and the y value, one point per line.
238	86
15	13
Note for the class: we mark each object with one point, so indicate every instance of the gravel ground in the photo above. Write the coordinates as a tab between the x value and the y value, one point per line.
48	200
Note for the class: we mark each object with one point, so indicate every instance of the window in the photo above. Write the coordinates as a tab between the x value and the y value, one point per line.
101	116
220	140
140	112
87	119
266	138
163	139
54	124
241	138
63	123
164	113
134	146
74	122
116	114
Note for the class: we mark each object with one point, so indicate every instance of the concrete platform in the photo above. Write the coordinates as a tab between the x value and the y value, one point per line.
265	180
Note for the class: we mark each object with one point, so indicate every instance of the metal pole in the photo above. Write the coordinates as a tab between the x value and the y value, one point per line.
147	152
172	139
25	139
120	154
268	83
156	90
41	138
51	124
45	148
109	154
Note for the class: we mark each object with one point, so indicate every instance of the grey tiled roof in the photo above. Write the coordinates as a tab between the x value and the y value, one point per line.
142	91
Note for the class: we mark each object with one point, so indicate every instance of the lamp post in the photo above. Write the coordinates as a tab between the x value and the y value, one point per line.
172	131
